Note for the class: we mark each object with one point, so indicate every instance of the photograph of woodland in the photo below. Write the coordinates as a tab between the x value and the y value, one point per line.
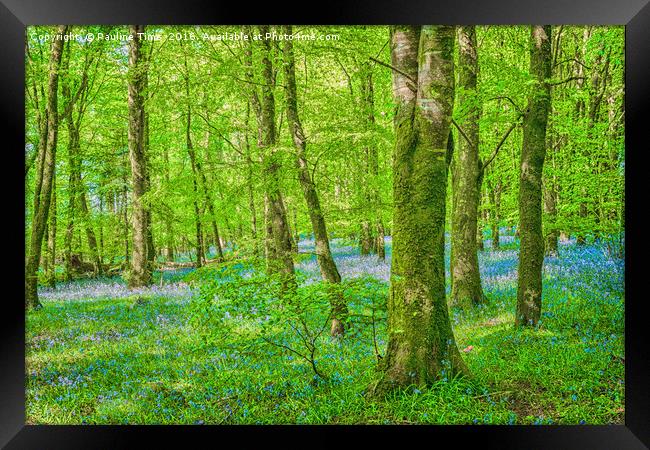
324	224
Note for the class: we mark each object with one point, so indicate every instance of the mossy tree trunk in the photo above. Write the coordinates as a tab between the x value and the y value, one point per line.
366	237
531	253
45	175
555	138
200	256
140	274
421	344
278	234
466	280
328	268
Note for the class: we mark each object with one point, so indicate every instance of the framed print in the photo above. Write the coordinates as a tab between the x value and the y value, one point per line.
380	220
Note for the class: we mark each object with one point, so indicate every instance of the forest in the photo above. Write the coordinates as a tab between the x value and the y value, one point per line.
324	224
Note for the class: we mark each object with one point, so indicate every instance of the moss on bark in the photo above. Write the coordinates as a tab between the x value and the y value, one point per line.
531	253
466	280
421	345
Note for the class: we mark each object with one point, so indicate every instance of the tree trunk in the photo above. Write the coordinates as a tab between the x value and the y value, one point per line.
531	253
251	206
229	235
282	262
269	246
421	344
200	257
494	190
210	205
76	186
125	211
90	233
50	274
42	195
365	241
169	232
381	234
466	280
328	268
151	252
69	231
550	187
374	196
101	232
140	273
249	185
292	239
550	210
550	183
296	233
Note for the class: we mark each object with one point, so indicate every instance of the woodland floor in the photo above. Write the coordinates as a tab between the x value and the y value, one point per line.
98	355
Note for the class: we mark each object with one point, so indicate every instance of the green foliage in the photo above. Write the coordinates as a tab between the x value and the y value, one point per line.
114	361
236	349
238	300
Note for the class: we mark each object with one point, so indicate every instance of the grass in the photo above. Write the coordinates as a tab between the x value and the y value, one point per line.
99	354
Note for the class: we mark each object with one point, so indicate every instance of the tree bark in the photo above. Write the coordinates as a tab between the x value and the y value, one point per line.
466	280
151	252
366	238
249	184
210	205
200	257
50	275
90	233
531	253
42	195
328	268
282	261
494	190
269	246
125	215
169	232
374	197
550	183
421	344
140	269
550	210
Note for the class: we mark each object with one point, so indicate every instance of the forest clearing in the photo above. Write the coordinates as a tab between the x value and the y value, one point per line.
379	225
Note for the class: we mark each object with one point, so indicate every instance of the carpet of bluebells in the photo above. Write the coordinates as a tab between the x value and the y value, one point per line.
98	353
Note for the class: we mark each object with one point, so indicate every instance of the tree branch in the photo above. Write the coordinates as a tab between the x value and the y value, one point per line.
460	130
505	97
207	122
395	69
570	60
499	145
556	83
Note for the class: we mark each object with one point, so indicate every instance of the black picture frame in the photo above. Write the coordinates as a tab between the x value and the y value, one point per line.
15	15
